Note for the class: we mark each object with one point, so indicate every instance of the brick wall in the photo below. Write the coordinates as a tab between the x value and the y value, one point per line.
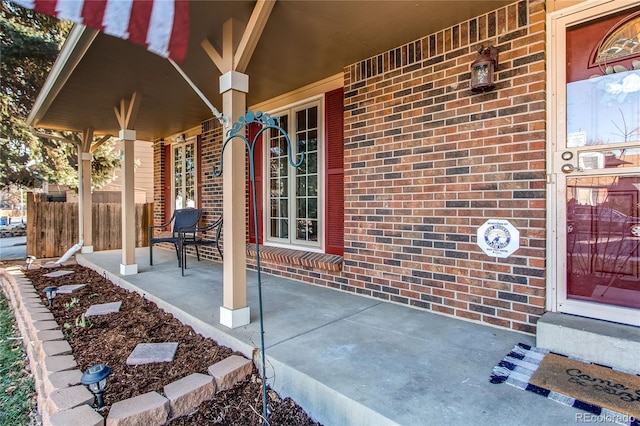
159	165
211	193
427	162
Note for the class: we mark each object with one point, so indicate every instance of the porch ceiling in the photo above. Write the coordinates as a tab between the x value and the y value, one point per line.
303	42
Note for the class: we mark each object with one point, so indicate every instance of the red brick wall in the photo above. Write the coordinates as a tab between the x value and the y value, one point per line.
159	165
427	162
211	194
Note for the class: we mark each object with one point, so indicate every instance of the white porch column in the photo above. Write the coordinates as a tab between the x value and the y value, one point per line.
85	201
128	265
234	312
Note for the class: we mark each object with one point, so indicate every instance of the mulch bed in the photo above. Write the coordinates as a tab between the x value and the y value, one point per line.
110	339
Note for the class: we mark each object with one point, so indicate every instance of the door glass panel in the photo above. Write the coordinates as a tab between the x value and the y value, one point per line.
609	159
604	110
603	239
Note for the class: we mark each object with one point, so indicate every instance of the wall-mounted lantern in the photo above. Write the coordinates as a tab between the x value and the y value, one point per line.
482	69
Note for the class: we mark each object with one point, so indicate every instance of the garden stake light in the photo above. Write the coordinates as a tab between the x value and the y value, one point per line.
51	293
95	379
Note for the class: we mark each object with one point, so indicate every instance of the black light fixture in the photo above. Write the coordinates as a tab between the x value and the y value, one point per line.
482	69
95	379
51	293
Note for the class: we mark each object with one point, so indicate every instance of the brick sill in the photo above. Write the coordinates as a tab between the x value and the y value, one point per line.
329	262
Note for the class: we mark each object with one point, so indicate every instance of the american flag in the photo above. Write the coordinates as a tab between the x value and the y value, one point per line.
162	26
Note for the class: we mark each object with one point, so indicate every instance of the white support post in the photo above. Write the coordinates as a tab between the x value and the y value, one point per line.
234	312
128	265
85	202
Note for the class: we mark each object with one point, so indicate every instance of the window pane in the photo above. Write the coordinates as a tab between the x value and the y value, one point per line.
284	208
302	208
313	208
312	186
623	42
313	141
604	110
301	186
312	161
313	230
313	118
301	120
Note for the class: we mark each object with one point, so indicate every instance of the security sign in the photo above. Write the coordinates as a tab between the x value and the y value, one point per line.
498	238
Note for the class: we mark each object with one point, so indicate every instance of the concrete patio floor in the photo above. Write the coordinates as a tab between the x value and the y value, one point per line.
348	359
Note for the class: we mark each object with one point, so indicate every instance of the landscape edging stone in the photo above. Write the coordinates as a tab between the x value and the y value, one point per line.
20	293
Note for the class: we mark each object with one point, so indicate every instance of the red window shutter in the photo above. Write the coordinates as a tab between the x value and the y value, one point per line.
334	154
166	190
252	131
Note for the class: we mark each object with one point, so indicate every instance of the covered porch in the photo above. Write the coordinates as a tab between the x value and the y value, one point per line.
348	359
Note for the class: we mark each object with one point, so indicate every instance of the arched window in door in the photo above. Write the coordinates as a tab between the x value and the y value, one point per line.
622	41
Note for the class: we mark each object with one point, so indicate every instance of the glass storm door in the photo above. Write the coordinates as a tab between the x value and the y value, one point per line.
596	170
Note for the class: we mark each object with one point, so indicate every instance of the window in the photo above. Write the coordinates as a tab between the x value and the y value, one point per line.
623	41
184	174
293	197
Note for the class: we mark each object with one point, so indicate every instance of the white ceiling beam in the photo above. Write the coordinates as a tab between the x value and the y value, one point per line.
126	114
213	54
252	34
99	142
56	137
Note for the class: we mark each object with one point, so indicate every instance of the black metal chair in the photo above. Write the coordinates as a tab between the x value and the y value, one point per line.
185	222
200	240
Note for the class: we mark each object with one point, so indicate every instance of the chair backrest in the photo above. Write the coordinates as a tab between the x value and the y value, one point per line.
186	219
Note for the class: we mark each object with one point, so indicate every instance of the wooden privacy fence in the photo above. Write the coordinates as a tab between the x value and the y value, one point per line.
52	228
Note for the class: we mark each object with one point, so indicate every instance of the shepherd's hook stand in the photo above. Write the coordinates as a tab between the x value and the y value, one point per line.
267	123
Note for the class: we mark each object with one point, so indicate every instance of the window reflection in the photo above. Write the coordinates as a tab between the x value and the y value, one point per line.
604	110
603	240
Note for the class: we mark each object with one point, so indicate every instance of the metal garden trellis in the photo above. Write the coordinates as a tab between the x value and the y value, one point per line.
268	123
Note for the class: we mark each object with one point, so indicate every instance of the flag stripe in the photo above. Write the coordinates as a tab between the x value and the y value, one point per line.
159	35
48	7
116	18
70	10
139	22
93	13
180	31
162	26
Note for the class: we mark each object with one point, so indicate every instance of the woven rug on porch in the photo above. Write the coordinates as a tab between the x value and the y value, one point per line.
610	395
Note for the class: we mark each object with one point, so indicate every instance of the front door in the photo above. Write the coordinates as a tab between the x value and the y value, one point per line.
595	163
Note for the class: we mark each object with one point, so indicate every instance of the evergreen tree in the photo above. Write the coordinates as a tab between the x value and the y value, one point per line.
29	45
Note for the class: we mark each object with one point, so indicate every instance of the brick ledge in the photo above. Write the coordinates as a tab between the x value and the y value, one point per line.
329	262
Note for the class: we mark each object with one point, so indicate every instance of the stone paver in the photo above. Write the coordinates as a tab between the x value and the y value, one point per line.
103	309
186	394
57	274
82	415
69	288
230	371
146	409
147	353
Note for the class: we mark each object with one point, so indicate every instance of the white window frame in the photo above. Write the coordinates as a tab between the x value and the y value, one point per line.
190	141
290	110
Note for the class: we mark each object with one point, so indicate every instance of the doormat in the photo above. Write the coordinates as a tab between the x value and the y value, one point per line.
609	394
